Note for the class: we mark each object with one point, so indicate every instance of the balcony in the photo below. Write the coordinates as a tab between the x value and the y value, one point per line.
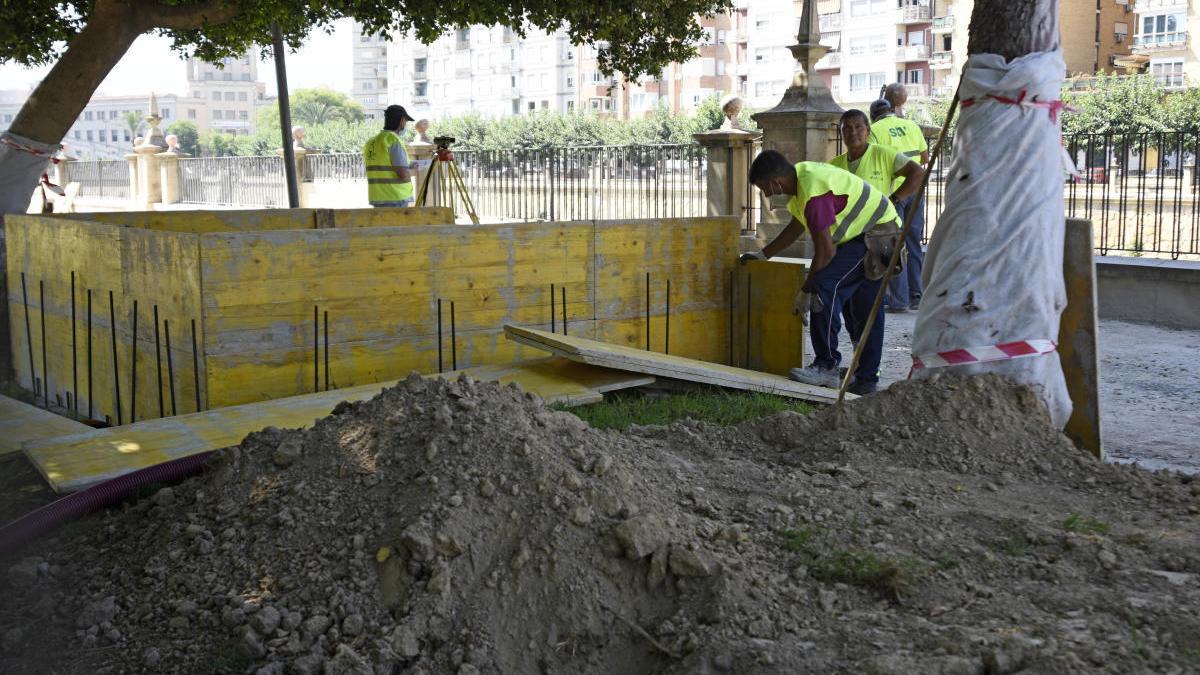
941	60
830	61
742	34
831	22
909	53
421	74
420	98
917	89
943	24
1160	42
1150	6
942	91
914	14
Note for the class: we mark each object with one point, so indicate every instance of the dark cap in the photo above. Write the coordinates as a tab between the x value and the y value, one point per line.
880	108
393	114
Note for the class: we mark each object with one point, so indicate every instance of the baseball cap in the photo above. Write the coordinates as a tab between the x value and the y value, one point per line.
880	108
397	112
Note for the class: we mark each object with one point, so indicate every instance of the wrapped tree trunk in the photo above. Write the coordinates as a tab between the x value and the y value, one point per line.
993	273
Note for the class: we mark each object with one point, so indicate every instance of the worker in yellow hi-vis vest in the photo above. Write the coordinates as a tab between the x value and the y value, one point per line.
889	128
887	169
838	209
389	172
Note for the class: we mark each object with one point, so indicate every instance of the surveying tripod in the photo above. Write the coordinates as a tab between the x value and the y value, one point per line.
449	179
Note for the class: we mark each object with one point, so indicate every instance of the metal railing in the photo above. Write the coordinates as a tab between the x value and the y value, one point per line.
233	181
334	166
1139	190
101	179
591	182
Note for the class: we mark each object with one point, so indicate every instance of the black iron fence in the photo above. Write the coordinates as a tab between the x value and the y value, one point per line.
101	179
233	181
334	167
1140	191
594	182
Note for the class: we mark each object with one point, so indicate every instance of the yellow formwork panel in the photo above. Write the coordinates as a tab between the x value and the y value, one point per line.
695	334
767	335
77	461
392	217
21	423
199	222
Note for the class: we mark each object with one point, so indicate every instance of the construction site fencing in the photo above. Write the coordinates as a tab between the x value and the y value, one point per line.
590	182
101	179
335	166
233	181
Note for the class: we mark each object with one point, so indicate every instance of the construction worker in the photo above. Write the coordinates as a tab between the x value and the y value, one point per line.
879	165
891	129
837	209
389	173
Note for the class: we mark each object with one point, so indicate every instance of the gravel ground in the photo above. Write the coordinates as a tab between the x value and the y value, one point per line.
1149	388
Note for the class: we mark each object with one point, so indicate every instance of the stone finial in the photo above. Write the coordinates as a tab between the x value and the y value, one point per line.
154	137
422	130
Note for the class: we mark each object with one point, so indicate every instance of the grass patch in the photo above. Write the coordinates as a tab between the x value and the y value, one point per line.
1082	525
1014	545
890	577
718	406
946	562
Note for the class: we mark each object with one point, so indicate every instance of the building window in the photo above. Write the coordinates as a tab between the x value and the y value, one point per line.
208	75
858	46
216	96
869	81
218	114
570	82
103	136
570	108
229	96
112	114
126	135
78	134
243	114
87	115
89	135
421	89
166	113
1168	73
242	96
191	113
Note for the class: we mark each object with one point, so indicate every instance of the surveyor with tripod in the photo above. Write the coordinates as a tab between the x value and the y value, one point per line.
389	172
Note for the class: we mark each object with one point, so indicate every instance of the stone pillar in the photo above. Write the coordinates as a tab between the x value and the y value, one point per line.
728	153
1189	175
132	159
168	171
149	180
420	150
62	169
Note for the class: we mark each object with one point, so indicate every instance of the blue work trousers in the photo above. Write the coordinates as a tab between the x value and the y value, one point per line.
905	287
842	285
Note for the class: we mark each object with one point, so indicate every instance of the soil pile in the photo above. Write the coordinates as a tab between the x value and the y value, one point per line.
938	527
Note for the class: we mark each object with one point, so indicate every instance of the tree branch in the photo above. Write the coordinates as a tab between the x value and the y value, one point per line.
192	17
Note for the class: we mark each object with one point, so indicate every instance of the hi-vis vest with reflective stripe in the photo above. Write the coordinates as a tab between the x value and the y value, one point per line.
876	166
865	206
901	134
382	183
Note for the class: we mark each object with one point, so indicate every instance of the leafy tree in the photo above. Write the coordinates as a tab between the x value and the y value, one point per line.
1181	111
88	37
189	136
315	106
217	144
1116	105
133	122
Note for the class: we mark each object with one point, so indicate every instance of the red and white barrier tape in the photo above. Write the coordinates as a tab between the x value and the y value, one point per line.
25	148
1001	352
1054	107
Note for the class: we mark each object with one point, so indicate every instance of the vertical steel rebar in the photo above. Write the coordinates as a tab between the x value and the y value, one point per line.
158	365
89	353
439	334
326	350
453	340
647	311
45	367
133	367
74	352
29	339
170	365
112	318
564	309
316	350
195	367
667	338
553	311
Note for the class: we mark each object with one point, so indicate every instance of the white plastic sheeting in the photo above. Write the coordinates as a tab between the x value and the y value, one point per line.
994	268
21	169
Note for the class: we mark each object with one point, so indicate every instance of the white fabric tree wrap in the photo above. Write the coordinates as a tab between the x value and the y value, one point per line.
994	269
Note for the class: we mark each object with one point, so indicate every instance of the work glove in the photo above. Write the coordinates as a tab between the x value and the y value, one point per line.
751	255
805	303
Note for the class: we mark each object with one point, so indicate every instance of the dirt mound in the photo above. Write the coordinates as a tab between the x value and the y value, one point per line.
463	527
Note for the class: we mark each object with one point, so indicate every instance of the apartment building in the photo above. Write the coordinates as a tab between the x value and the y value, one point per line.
1162	44
224	97
872	43
369	81
101	131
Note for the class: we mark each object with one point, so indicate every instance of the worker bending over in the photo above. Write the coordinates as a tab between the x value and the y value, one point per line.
837	209
889	128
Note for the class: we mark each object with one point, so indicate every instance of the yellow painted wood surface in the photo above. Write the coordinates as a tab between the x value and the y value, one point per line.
390	217
21	422
1077	338
764	295
619	357
198	222
78	460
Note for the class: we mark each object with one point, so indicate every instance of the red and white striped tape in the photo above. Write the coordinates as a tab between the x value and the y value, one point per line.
1001	352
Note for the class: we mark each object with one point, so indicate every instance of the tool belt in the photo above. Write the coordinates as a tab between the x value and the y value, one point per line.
881	240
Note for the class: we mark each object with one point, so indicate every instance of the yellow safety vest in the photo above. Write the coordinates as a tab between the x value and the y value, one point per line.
877	166
382	183
901	134
865	206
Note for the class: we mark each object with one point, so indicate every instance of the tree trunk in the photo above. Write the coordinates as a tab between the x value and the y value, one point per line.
994	266
1013	28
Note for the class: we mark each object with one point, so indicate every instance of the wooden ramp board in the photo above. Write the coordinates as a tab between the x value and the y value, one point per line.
21	422
79	460
664	365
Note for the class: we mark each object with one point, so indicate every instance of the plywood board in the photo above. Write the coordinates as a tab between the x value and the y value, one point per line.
1077	338
390	217
767	335
200	221
21	423
665	365
78	460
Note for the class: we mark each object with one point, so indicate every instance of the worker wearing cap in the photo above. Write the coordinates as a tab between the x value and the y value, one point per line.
837	209
889	128
389	173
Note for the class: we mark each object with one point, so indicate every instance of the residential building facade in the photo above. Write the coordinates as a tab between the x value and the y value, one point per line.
1162	44
224	97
